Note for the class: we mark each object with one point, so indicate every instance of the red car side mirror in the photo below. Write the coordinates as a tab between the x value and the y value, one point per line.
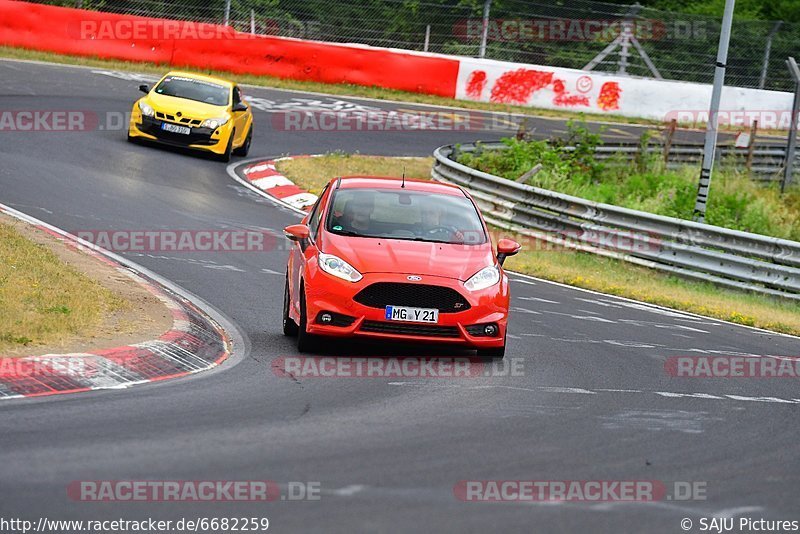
296	232
506	248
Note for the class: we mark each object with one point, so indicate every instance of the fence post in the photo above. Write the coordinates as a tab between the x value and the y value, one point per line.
788	164
767	49
227	13
704	183
487	5
673	125
427	37
253	21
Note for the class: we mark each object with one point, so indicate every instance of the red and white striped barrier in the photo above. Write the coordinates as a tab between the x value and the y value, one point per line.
265	177
208	46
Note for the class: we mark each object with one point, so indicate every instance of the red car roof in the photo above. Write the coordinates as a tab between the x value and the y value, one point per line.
383	182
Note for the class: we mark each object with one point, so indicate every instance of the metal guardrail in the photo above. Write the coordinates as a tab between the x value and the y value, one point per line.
767	161
727	257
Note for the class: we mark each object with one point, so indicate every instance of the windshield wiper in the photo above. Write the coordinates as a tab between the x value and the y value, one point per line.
348	233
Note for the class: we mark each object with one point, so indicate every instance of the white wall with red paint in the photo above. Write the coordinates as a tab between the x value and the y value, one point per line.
592	92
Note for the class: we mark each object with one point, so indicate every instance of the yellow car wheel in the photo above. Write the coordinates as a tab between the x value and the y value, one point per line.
245	148
226	156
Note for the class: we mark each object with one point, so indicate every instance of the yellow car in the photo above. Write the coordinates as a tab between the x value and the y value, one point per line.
194	111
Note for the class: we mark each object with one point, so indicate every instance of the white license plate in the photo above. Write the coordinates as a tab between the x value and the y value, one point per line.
412	315
174	128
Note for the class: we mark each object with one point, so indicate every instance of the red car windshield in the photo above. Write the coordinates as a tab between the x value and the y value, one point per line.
409	215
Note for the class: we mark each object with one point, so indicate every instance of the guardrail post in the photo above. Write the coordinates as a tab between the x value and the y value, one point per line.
751	145
788	164
673	125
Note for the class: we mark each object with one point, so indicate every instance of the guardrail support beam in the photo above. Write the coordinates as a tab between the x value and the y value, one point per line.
788	166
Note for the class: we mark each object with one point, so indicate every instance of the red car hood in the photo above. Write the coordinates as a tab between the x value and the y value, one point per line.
378	255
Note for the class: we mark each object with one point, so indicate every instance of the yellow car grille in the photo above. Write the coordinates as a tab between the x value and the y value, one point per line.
181	120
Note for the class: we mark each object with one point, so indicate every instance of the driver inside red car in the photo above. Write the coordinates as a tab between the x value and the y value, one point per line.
357	214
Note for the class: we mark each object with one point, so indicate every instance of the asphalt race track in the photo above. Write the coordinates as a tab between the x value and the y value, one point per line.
593	401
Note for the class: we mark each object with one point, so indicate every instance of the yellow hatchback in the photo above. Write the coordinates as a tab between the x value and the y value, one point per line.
194	111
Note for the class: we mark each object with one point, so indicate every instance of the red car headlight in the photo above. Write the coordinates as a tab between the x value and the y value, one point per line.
336	266
486	277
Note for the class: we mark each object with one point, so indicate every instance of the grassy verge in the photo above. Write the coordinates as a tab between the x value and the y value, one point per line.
332	89
736	201
43	301
577	268
314	173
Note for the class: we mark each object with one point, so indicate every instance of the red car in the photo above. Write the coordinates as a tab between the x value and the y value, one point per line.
390	259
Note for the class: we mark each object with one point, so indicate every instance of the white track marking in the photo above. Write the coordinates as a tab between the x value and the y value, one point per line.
586	391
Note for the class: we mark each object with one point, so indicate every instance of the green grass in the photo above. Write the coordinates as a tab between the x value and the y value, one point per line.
44	301
580	269
314	173
735	201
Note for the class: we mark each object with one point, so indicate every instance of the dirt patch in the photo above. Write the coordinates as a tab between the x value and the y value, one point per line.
141	317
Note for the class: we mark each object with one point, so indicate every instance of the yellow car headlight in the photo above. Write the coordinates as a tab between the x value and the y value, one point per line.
214	123
146	109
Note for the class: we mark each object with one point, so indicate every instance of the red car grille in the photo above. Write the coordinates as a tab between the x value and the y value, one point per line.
382	294
410	329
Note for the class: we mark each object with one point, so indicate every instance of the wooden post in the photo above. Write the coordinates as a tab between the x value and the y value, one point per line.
668	141
752	145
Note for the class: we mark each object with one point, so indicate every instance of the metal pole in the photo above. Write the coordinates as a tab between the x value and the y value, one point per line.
485	28
227	13
711	128
788	164
622	62
767	49
253	21
427	37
